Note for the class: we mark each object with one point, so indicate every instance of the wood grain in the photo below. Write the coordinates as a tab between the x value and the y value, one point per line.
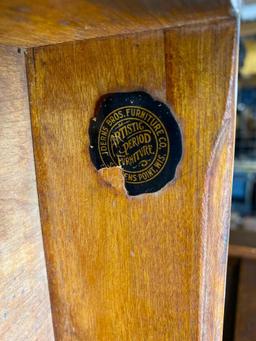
27	23
246	306
147	268
200	87
24	299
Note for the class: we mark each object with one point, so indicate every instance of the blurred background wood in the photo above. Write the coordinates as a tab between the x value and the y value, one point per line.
240	307
246	304
242	244
231	298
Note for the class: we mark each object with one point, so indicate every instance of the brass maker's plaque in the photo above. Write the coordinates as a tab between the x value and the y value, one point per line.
139	134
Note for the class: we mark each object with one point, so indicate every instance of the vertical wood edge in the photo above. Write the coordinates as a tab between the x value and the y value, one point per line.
25	309
218	185
32	96
216	203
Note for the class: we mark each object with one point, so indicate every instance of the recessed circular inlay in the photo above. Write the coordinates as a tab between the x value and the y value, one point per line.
139	134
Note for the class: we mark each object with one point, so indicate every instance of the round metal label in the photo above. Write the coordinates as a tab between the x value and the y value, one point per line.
139	134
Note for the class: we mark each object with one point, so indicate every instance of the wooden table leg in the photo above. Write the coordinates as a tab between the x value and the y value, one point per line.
136	268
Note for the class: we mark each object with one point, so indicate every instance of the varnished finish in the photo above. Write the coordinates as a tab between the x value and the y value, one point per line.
147	268
27	23
24	300
201	87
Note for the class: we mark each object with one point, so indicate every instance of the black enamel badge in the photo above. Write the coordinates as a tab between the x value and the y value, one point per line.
139	134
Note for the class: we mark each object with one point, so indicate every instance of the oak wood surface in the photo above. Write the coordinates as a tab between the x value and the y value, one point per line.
201	86
147	268
24	298
27	23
